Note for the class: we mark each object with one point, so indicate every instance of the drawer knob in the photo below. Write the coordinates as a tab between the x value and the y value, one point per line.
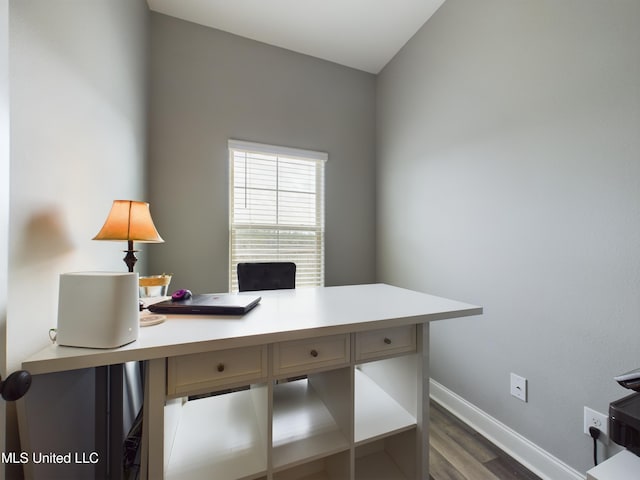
221	367
314	353
387	340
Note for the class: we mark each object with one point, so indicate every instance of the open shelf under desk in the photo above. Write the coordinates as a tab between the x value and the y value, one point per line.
303	428
220	434
377	414
378	466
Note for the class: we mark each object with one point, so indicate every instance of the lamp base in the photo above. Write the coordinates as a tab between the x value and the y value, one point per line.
130	258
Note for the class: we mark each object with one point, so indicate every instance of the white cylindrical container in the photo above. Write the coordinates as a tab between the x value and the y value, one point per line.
98	309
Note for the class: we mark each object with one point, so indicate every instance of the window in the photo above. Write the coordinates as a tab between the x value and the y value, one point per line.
276	209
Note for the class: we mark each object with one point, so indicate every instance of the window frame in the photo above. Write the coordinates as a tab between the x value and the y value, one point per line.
318	159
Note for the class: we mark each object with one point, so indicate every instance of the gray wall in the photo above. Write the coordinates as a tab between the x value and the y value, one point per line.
78	113
78	75
208	86
509	176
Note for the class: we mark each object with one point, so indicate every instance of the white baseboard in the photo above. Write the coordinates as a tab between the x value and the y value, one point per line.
539	461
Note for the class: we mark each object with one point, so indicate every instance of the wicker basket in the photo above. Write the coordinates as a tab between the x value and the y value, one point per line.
154	285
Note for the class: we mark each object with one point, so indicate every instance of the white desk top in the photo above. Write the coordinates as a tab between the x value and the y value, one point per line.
622	466
281	315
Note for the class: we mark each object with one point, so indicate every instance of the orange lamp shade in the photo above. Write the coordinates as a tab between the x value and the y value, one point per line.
129	220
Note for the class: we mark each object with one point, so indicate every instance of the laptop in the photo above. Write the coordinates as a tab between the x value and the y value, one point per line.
208	303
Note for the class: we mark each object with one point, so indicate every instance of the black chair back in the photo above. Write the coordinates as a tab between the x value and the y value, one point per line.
266	276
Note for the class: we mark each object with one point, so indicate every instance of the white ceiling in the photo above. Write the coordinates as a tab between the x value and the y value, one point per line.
363	34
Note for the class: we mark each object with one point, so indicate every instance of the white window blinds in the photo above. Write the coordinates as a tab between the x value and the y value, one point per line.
276	209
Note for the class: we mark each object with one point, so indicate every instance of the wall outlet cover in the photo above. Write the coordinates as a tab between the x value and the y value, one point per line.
595	419
519	387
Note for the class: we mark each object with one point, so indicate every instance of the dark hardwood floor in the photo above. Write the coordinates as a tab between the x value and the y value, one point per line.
456	452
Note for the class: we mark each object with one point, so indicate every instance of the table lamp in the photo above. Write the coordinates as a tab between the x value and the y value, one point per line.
131	221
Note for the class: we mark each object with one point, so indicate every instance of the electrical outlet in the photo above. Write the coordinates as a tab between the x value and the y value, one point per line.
519	387
595	419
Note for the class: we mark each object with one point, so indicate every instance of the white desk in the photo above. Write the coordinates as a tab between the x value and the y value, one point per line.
363	347
622	466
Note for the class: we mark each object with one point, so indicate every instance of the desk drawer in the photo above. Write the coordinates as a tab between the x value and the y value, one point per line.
386	342
203	372
304	356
